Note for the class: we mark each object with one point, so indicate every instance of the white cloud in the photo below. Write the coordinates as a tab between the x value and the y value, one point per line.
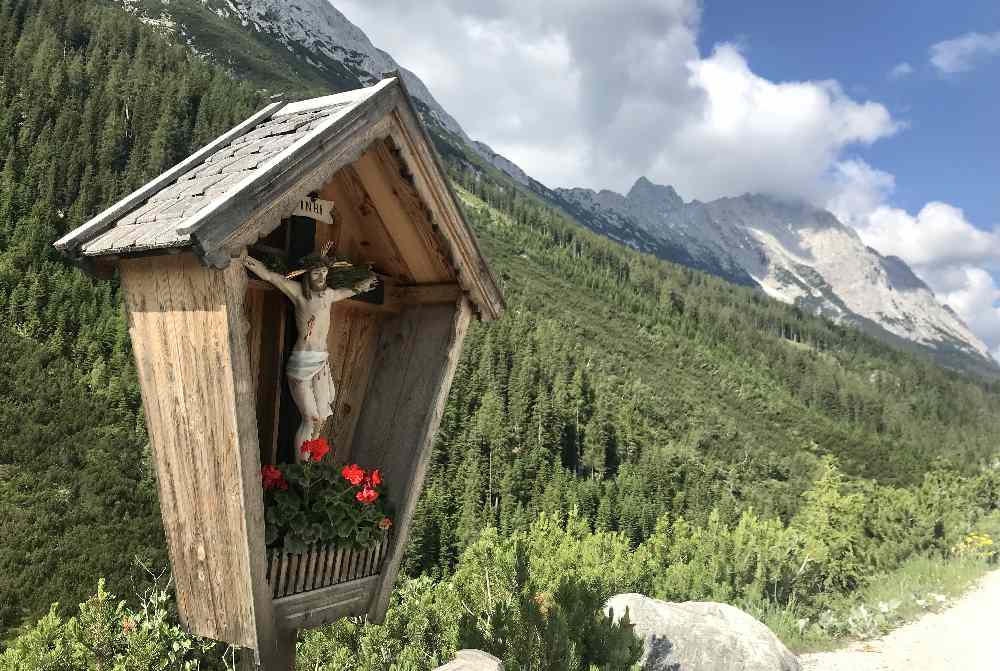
963	53
589	93
953	256
901	70
974	294
857	190
543	87
939	235
751	134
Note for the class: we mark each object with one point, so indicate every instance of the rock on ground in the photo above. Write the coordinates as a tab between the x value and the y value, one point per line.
701	636
472	660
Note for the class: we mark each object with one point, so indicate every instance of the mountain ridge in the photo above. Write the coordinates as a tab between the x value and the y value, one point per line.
314	31
799	254
310	44
616	390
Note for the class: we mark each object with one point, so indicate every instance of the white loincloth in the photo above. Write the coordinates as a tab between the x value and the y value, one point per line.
308	367
305	364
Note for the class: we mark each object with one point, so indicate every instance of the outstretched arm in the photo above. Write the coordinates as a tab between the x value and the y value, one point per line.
359	288
286	286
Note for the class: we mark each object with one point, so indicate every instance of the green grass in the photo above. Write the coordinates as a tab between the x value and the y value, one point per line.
909	592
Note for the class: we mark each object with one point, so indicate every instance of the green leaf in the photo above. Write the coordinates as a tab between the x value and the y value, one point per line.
271	533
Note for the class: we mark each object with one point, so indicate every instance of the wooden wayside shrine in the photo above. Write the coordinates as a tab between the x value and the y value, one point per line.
358	170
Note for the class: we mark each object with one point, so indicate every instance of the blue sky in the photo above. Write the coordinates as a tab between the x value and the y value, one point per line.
883	112
951	148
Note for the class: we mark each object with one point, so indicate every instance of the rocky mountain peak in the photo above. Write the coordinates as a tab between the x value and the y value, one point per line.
656	197
312	32
795	252
794	214
319	26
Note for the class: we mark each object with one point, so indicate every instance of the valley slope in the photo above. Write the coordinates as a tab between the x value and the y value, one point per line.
794	252
801	255
617	385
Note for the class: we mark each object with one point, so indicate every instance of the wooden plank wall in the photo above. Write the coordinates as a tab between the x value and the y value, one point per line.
351	343
406	231
323	606
406	216
188	333
431	186
415	360
363	234
266	308
275	647
358	235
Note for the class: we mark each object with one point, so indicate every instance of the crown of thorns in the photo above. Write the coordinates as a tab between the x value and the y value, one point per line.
321	260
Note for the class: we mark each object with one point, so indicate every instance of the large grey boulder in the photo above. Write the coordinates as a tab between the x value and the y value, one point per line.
472	660
701	636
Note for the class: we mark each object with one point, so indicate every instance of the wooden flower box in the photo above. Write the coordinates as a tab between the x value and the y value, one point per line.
314	588
323	566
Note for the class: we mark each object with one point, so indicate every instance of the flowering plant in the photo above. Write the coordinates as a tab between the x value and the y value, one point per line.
977	546
314	502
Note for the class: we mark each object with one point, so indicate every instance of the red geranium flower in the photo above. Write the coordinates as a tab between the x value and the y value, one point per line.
353	474
315	450
385	524
272	478
375	479
367	495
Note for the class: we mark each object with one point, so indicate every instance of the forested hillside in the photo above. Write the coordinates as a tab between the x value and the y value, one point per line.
619	392
628	388
92	105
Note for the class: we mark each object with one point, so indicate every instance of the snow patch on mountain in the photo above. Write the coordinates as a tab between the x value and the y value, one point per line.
163	21
318	25
797	254
777	286
794	252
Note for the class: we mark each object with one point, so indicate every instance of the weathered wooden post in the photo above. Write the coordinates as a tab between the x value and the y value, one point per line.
355	169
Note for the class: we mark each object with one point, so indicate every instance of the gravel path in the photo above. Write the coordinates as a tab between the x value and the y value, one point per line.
965	637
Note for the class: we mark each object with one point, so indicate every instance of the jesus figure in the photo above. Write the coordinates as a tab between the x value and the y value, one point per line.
308	368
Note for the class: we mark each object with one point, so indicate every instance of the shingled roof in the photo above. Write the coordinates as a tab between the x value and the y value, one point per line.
160	215
225	195
159	222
